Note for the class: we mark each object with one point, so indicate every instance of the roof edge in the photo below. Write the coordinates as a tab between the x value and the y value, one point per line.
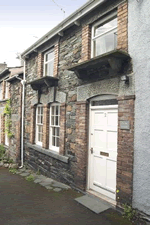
66	23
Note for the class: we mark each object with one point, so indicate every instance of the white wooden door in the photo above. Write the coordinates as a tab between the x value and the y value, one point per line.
103	150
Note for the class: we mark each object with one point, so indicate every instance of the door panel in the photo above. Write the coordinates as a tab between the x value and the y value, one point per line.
103	136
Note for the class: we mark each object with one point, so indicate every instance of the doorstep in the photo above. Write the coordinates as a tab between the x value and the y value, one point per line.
94	203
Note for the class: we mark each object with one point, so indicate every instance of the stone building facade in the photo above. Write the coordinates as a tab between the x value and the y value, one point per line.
78	94
11	89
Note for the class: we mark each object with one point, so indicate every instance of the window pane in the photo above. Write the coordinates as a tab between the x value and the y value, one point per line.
53	141
38	119
38	136
41	119
40	129
57	142
50	68
38	110
106	27
53	110
57	131
46	69
52	120
56	121
105	43
49	56
53	131
57	110
41	110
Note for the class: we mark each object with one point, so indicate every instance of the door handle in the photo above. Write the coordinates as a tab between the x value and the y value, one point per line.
91	150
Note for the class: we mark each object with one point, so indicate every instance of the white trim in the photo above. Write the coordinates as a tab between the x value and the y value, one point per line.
104	107
1	90
50	51
51	147
6	89
6	135
100	35
36	135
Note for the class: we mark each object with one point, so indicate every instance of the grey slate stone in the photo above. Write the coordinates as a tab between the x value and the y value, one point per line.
1	163
24	174
57	189
48	187
60	185
38	180
93	204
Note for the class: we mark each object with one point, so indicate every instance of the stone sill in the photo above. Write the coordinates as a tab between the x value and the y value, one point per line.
4	100
49	153
113	59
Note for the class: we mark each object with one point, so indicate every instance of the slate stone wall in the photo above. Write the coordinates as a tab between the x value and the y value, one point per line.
75	115
16	107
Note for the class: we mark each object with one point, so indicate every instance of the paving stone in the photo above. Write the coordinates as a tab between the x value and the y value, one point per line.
60	185
34	175
6	165
37	180
47	181
57	189
1	163
41	177
24	174
21	170
44	184
48	187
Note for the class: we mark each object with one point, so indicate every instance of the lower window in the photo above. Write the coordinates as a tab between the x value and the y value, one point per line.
54	127
6	135
39	125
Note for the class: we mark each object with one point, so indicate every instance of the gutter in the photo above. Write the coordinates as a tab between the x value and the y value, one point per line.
4	71
66	23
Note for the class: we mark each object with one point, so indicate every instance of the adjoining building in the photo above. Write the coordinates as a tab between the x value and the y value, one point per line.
10	110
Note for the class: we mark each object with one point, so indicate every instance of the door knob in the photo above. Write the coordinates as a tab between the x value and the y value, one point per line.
91	150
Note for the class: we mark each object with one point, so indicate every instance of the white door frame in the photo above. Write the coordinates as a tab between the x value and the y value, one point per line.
89	131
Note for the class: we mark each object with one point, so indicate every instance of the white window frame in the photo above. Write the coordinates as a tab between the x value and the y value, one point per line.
38	125
52	147
99	23
6	89
47	62
1	90
6	135
0	127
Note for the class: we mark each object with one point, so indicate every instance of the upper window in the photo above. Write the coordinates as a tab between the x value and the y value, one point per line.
54	127
104	37
49	63
6	89
39	125
1	96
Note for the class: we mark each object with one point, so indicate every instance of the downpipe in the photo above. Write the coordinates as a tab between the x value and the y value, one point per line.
23	82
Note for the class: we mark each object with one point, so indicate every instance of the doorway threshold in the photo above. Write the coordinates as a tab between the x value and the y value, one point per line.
95	203
102	197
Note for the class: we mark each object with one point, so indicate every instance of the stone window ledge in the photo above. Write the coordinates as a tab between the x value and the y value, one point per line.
49	153
114	59
4	100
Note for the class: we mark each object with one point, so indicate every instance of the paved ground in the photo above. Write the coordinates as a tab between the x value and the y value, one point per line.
24	203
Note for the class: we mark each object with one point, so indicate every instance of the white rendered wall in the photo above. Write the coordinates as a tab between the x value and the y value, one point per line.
139	49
